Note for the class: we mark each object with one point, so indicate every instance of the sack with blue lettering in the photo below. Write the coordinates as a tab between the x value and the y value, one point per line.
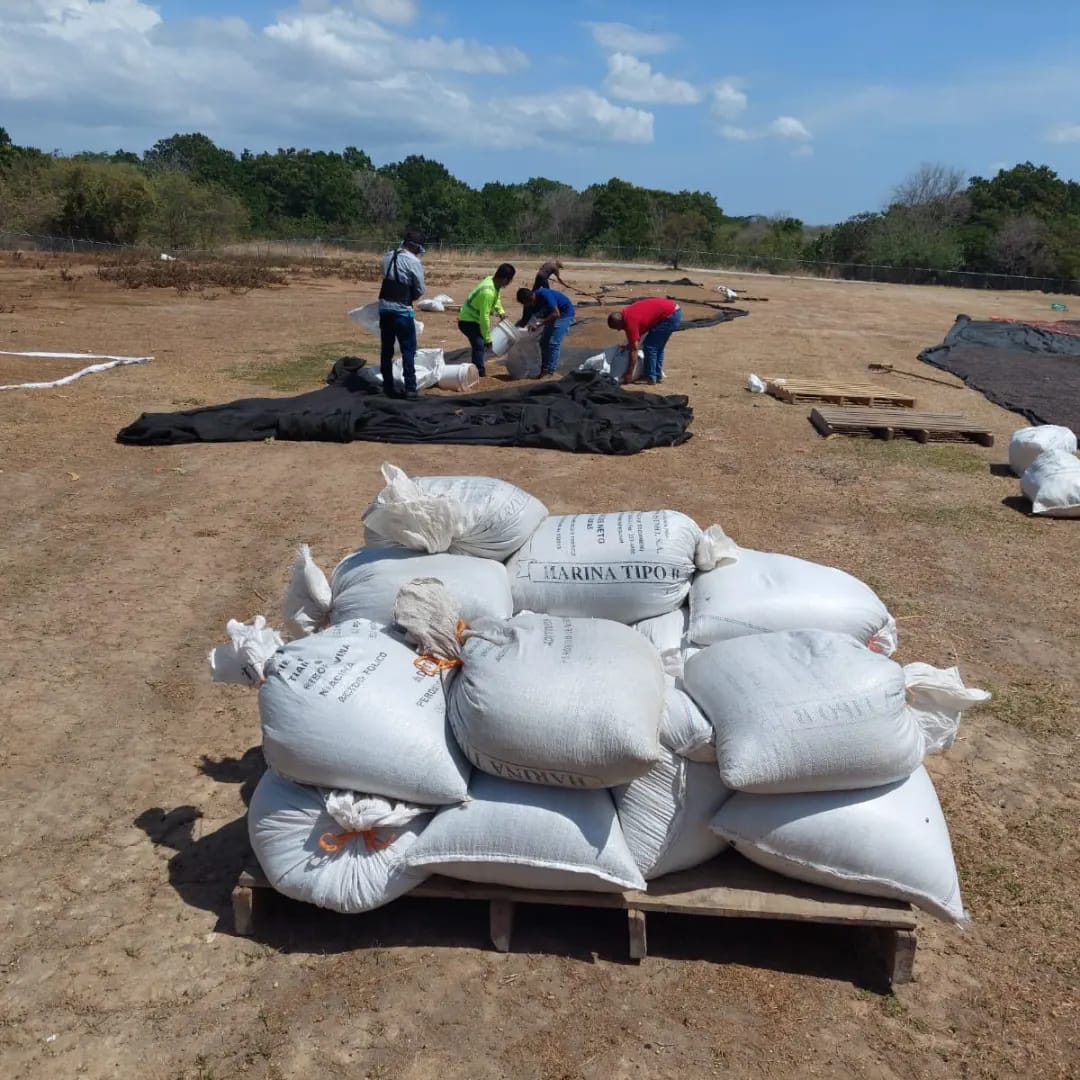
626	566
811	710
540	699
348	708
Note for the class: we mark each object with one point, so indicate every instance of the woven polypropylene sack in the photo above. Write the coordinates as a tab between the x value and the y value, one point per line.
348	708
1028	443
462	515
625	566
764	592
666	815
366	584
887	841
308	856
805	710
557	701
1052	483
529	837
685	729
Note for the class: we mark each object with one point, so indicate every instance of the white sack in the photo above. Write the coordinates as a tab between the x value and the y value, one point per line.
310	854
623	566
1028	443
367	317
428	364
805	710
685	729
435	303
665	815
529	837
365	585
612	361
348	708
523	360
888	841
937	697
308	596
463	515
668	633
763	592
544	700
244	659
1052	483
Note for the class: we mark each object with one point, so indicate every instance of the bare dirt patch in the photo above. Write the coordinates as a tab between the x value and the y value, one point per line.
126	772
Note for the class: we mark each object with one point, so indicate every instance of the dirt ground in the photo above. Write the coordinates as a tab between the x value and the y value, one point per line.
125	771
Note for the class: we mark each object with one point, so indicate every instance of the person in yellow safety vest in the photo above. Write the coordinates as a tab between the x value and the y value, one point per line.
474	319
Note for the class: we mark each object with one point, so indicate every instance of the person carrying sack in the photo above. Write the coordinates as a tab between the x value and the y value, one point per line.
553	311
402	285
474	319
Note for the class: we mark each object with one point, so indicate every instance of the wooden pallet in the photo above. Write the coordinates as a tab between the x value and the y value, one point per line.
796	391
886	423
727	887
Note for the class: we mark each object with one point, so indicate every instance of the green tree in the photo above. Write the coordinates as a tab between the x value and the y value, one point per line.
433	199
100	201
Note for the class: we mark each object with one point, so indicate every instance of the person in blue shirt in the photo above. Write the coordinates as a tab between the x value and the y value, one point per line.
553	311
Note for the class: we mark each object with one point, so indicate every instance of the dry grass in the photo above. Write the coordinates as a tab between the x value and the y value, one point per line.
237	275
305	372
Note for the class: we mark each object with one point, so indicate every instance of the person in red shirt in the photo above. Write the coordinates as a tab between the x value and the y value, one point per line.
650	322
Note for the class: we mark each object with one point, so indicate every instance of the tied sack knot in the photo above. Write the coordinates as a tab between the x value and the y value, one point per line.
432	622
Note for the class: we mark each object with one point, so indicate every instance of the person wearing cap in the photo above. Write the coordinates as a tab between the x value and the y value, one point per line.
549	270
650	322
474	318
554	312
402	286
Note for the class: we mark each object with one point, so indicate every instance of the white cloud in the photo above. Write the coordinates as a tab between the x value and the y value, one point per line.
110	73
787	127
1064	133
728	101
631	79
575	116
619	37
737	134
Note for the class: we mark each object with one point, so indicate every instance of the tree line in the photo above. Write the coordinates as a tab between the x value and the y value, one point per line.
187	192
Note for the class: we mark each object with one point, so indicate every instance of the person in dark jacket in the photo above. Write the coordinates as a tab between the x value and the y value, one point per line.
402	286
549	270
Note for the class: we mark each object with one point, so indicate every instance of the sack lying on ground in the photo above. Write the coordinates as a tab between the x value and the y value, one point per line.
888	841
463	515
338	850
1052	483
808	710
365	585
543	700
529	837
429	365
763	591
348	708
624	566
1028	443
665	815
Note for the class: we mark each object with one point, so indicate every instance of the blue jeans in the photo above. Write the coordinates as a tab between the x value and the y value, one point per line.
397	326
479	346
654	343
551	344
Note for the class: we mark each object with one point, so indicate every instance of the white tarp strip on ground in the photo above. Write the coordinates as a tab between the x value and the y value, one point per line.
93	369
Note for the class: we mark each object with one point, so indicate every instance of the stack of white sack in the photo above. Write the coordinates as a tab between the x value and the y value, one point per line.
586	702
1044	458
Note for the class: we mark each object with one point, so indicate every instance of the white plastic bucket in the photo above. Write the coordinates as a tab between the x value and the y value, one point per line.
504	336
459	377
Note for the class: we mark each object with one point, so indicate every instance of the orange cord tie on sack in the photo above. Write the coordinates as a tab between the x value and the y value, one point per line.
334	842
432	665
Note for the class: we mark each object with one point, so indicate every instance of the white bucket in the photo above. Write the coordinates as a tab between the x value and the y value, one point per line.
459	377
504	336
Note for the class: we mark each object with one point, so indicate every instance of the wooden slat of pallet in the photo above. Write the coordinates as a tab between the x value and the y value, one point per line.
727	887
796	390
886	423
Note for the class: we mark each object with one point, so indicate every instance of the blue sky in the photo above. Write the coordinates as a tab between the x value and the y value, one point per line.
810	109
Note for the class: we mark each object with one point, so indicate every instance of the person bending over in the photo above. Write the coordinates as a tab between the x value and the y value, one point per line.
402	286
650	322
553	311
474	319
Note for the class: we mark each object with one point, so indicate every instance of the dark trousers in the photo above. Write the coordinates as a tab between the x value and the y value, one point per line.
476	340
400	328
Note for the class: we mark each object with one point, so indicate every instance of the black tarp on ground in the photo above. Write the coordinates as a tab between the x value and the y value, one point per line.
581	414
1031	369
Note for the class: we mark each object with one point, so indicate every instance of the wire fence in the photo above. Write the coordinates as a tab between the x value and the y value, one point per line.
686	260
